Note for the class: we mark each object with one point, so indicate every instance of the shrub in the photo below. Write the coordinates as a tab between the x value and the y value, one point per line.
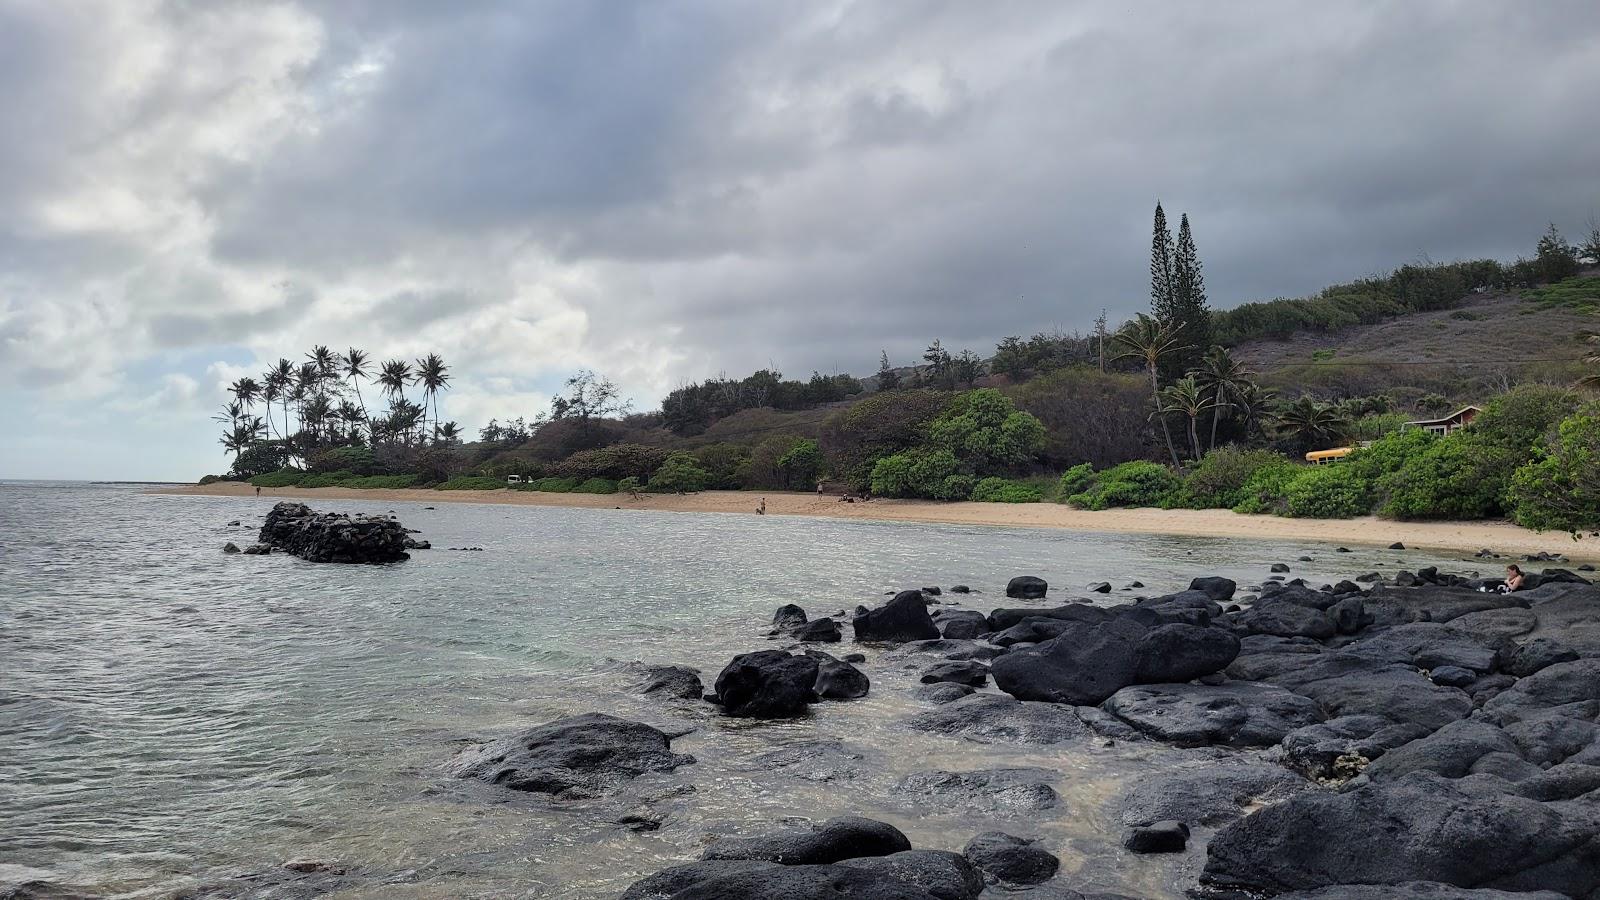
1328	492
381	482
1075	480
917	473
1523	417
1376	426
801	464
550	485
725	463
955	487
596	486
1561	491
1461	476
985	431
1089	416
470	483
680	474
1137	483
1388	454
211	479
261	458
629	485
325	479
1000	490
612	462
352	460
1264	491
280	478
1218	480
885	423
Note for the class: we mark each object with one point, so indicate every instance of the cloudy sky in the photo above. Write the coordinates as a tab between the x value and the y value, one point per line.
667	190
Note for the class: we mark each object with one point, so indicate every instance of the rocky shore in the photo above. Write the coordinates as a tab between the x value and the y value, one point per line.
1424	736
332	537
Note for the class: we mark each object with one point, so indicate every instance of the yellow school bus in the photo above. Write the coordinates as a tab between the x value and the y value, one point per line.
1323	457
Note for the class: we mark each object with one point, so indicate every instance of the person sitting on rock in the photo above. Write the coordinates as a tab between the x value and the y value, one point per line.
1513	578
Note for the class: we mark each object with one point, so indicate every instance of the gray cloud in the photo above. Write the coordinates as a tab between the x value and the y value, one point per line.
665	190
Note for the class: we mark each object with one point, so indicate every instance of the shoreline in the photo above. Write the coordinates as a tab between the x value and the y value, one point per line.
1500	537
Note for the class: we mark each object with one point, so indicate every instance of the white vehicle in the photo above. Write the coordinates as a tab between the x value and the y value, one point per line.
513	479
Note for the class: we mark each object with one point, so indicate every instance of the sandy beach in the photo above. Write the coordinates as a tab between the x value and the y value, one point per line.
1501	537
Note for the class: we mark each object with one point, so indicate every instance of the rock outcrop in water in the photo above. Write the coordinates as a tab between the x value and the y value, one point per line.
333	537
576	757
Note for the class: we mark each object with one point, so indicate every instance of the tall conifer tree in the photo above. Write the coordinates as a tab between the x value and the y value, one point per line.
1189	310
1162	275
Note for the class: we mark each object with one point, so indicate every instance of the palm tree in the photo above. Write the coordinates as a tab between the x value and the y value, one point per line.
1185	396
352	416
449	433
393	376
279	377
246	390
1314	423
1151	342
357	368
325	365
1256	403
432	375
1224	378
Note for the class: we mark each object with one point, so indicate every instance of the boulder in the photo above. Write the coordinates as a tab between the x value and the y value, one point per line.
1453	676
990	791
1010	859
1416	890
1001	619
767	684
789	616
1349	615
838	680
1430	645
766	881
965	672
1218	589
1235	714
1027	587
1453	751
943	692
1353	681
1082	666
961	624
230	547
332	537
1537	655
998	719
1283	618
904	618
575	757
822	631
1465	832
674	681
945	875
844	837
1570	689
257	550
1158	837
1177	653
671	880
1099	587
1210	795
1340	748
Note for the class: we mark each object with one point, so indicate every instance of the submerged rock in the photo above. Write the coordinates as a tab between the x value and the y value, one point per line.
844	837
1236	714
1210	795
945	875
996	719
1168	836
575	757
965	672
674	681
331	537
823	760
720	880
822	631
1010	858
943	692
838	680
1008	791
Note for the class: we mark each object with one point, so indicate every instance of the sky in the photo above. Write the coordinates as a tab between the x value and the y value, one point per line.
666	191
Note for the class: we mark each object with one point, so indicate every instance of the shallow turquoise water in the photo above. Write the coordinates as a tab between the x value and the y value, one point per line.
172	717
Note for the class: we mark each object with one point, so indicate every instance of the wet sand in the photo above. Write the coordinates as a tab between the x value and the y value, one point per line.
1501	537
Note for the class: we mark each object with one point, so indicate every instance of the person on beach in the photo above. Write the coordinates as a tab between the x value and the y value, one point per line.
819	489
762	509
1513	578
258	490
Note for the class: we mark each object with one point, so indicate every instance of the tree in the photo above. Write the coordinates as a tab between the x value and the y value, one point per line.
1151	342
1186	397
1562	490
281	379
1224	379
433	376
888	378
966	368
449	433
357	368
939	362
588	397
1554	258
1255	403
1189	308
1163	277
1312	424
986	432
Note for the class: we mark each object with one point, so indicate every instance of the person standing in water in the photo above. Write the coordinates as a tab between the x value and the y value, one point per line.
762	509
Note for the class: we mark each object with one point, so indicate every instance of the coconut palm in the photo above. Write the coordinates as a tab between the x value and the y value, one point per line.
281	377
393	376
1185	396
325	366
357	367
1151	342
1255	403
1223	378
246	390
434	376
1314	424
449	433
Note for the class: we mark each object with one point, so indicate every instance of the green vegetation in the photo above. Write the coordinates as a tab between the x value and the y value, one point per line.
680	474
978	434
1002	490
471	483
1137	483
1560	491
1581	292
